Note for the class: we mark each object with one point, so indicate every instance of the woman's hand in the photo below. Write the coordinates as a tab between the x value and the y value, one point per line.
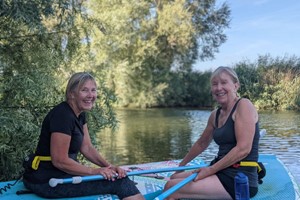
121	172
180	165
107	172
203	173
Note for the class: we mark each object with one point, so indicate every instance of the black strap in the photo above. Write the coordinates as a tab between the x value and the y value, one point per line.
217	117
219	110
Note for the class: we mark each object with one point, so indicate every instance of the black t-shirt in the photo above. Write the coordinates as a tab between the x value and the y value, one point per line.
60	119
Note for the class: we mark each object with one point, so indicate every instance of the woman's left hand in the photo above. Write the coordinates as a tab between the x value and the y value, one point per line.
121	172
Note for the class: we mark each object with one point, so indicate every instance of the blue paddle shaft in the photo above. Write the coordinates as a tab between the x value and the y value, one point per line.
176	187
78	179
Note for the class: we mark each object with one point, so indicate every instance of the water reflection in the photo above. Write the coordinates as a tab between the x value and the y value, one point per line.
162	134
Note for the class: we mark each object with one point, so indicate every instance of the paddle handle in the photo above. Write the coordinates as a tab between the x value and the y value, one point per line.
53	182
176	187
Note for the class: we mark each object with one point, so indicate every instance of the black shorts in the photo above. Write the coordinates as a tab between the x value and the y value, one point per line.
228	184
121	187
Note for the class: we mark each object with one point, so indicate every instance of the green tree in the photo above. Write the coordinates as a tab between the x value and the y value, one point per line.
188	89
249	80
141	42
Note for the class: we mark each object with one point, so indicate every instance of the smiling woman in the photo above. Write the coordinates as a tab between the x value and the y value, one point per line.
63	135
81	92
234	128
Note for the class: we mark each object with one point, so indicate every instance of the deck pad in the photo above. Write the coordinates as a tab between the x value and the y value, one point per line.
277	184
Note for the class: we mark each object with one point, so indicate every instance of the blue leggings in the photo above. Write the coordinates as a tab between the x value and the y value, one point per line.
121	187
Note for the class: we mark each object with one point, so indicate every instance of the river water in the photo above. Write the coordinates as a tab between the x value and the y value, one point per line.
163	134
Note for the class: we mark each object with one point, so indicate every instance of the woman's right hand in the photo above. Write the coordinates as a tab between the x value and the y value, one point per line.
107	172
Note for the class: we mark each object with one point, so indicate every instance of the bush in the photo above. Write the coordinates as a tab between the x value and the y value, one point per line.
18	136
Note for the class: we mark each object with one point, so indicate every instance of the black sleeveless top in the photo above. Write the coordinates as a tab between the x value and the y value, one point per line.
225	138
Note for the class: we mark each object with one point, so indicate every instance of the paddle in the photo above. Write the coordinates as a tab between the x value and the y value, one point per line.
78	179
53	182
176	187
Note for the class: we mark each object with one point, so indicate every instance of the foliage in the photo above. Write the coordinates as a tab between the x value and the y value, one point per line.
199	93
41	45
141	42
188	89
249	80
271	83
18	138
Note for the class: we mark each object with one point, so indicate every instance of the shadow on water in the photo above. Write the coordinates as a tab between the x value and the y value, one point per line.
163	134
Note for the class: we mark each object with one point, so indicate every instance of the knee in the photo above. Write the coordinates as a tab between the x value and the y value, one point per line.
173	176
168	185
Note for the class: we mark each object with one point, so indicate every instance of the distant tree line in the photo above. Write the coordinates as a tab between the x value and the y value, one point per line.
270	83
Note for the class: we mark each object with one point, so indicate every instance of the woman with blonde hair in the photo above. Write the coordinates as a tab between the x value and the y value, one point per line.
63	135
234	127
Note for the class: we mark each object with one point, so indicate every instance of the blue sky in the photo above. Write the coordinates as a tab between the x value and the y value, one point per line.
258	27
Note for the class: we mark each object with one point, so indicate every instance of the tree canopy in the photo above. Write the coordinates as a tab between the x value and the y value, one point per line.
140	43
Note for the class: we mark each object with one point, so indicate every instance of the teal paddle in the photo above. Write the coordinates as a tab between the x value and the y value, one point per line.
176	187
53	182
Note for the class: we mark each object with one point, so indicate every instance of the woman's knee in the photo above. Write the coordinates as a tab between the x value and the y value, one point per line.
169	184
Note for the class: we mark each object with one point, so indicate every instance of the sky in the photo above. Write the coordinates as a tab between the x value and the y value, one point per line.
258	27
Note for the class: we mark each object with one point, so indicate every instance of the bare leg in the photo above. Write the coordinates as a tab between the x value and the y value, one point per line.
207	188
181	175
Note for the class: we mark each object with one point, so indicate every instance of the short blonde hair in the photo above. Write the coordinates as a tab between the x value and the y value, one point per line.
226	70
76	81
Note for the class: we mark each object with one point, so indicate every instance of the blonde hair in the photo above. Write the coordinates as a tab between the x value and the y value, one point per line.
76	81
226	70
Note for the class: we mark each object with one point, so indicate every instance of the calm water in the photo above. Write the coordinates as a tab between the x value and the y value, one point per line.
163	134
